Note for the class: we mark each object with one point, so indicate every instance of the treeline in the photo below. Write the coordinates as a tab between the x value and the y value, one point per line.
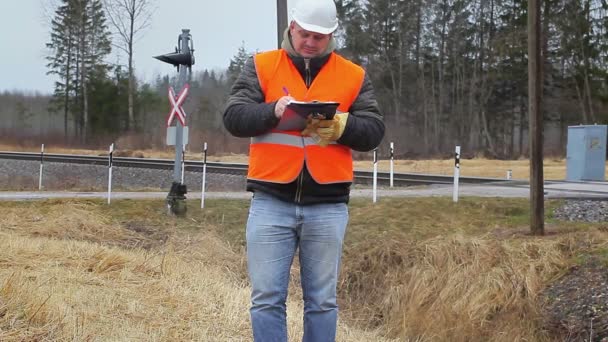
454	72
35	118
446	72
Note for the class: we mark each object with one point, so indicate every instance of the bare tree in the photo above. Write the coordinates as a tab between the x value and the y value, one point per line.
129	18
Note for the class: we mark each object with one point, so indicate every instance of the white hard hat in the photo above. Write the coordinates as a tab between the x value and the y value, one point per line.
316	15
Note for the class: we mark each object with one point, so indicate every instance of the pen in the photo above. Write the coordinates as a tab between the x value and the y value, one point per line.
285	91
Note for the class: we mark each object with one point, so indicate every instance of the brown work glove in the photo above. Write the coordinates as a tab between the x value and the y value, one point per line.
311	127
331	130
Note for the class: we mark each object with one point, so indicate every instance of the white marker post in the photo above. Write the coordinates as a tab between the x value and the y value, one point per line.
456	173
375	178
41	163
204	175
110	172
392	161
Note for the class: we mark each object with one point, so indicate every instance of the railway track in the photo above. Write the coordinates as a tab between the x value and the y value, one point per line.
361	177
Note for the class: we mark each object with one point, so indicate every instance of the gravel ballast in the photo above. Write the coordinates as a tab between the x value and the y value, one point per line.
583	210
24	175
577	303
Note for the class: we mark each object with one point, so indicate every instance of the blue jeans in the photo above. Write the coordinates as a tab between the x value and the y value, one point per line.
275	229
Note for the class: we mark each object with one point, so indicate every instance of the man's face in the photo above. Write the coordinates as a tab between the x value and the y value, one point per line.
307	43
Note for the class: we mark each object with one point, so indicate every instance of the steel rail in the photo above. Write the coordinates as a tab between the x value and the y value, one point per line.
361	177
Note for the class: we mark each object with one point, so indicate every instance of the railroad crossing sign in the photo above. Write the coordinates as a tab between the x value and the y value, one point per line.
176	105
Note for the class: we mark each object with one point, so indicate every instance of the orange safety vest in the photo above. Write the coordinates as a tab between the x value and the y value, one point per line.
278	156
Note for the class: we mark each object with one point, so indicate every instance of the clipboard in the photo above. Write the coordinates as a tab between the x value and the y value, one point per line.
318	109
297	112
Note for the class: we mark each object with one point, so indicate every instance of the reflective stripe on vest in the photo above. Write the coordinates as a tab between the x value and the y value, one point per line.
278	156
285	139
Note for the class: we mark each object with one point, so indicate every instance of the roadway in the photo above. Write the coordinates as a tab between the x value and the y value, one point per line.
553	189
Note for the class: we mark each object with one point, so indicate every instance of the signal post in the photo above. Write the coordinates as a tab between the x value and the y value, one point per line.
183	59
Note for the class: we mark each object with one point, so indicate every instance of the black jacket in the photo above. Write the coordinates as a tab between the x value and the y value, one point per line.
247	115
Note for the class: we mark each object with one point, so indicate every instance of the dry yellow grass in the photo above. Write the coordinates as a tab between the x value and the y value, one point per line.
554	169
460	288
59	282
413	270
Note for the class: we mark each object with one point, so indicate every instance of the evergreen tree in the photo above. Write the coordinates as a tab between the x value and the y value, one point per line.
80	40
237	63
61	60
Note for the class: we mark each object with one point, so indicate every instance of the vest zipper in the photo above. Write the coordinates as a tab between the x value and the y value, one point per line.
300	180
307	77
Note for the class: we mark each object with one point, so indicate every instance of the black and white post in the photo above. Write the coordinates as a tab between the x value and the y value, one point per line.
204	175
375	178
392	162
110	157
456	173
41	164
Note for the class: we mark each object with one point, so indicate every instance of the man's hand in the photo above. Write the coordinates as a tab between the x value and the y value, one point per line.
331	130
279	107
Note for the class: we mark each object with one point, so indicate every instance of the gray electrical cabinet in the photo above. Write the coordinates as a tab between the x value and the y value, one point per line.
586	153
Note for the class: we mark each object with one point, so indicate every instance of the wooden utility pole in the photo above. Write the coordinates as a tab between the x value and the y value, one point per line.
281	20
537	225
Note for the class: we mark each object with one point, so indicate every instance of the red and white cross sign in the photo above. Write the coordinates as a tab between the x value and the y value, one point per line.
176	105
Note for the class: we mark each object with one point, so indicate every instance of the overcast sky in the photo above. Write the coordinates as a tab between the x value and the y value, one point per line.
218	29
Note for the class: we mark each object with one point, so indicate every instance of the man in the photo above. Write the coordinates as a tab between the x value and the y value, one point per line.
300	178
